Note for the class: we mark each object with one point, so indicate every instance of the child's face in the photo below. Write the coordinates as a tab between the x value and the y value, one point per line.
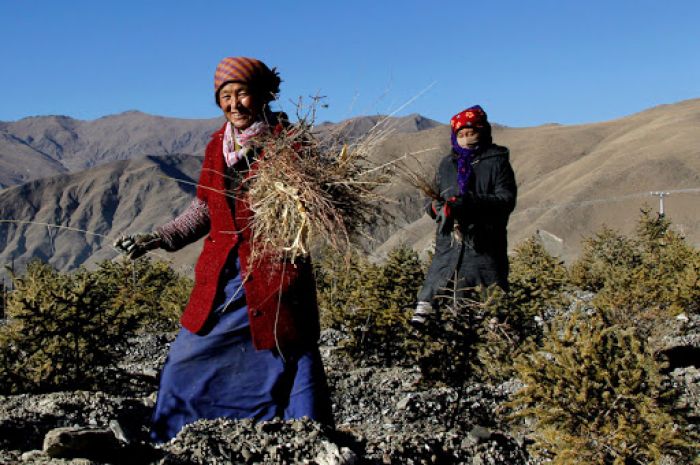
467	137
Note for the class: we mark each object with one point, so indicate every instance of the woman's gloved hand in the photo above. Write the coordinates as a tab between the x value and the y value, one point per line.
454	205
136	245
445	212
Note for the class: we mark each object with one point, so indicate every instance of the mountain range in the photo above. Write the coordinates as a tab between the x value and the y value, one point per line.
132	171
42	146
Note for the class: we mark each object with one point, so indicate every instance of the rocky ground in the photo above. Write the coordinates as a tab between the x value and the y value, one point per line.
383	416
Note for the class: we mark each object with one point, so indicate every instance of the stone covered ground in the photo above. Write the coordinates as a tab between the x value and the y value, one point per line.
383	416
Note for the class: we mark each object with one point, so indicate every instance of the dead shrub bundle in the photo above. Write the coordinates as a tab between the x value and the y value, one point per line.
304	192
412	171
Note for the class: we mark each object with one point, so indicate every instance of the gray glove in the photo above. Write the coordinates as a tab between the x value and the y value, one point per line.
136	245
442	218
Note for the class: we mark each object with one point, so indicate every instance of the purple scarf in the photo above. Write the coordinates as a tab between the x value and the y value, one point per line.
464	164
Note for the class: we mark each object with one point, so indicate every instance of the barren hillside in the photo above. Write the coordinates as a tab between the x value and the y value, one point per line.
36	147
93	207
572	180
42	146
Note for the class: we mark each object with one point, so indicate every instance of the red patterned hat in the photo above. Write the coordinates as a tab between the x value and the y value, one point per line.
472	117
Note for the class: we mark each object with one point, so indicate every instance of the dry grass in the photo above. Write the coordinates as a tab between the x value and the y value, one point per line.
304	192
412	171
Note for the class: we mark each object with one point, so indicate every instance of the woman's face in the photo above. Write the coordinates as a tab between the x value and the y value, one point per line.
468	137
239	104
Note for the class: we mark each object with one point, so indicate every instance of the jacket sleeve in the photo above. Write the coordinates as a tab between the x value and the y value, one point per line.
190	226
429	206
502	200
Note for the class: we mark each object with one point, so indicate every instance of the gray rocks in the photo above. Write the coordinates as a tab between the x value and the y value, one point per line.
25	419
687	381
554	245
384	416
395	419
81	442
331	454
682	347
274	442
479	434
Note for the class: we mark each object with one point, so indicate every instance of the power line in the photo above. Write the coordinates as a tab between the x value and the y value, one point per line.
620	198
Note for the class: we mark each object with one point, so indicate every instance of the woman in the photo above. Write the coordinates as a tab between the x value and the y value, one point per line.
477	191
248	346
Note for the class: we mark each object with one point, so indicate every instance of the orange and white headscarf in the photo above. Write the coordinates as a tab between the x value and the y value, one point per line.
251	71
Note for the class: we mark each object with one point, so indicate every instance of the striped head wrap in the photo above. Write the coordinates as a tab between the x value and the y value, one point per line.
251	71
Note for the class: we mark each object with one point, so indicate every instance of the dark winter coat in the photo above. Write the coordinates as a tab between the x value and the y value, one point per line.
281	297
479	255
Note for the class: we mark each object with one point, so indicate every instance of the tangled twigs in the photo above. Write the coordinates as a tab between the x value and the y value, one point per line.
298	243
302	192
411	170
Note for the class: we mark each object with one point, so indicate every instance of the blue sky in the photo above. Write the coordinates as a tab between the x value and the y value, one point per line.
527	62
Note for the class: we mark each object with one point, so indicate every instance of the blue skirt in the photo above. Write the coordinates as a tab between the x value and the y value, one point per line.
220	374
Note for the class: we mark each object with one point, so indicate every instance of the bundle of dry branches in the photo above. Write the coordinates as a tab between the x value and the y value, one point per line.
411	170
304	192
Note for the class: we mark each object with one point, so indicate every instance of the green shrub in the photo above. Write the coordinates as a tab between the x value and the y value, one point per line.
150	291
508	323
338	281
65	329
61	330
11	375
595	394
644	280
371	302
480	334
604	256
445	350
538	283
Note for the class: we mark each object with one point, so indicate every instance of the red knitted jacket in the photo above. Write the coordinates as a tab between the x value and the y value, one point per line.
281	297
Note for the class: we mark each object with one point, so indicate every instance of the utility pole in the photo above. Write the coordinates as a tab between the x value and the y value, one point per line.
661	196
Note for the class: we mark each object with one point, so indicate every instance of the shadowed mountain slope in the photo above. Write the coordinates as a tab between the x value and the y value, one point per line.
41	146
93	207
572	180
97	204
65	144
